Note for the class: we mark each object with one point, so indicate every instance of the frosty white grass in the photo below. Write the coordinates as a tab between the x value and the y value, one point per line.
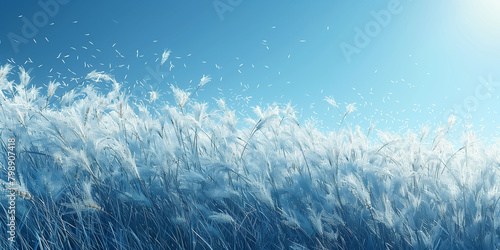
94	174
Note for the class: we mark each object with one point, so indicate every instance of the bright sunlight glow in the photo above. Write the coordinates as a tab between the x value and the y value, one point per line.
479	21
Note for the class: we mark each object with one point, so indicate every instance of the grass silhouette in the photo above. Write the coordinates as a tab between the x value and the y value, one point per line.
96	172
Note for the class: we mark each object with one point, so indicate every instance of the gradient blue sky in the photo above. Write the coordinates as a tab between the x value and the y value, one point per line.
423	64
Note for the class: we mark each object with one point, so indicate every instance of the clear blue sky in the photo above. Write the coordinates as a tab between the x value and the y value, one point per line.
418	61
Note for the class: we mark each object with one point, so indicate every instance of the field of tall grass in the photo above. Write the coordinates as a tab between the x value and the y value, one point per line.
100	171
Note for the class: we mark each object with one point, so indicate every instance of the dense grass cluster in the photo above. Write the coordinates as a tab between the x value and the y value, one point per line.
98	171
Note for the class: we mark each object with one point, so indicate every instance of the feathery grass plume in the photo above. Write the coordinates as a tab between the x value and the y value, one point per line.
51	89
5	84
99	77
4	72
164	56
153	96
349	109
451	121
204	80
424	131
69	97
330	100
24	77
200	113
265	118
181	97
